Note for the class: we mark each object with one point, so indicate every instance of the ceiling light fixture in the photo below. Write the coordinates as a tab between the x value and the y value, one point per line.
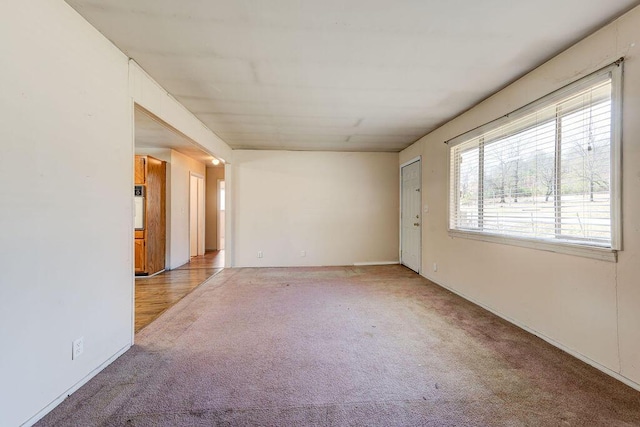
215	161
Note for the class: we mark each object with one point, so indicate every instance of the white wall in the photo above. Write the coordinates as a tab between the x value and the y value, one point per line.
211	228
590	308
341	208
66	173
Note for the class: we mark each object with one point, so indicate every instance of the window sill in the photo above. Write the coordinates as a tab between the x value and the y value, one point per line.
603	254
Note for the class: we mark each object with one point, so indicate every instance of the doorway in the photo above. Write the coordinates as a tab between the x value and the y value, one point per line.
196	215
410	217
185	217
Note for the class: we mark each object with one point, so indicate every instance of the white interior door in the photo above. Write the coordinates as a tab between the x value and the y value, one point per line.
410	219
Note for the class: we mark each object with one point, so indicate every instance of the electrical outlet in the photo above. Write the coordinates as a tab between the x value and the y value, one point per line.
77	348
259	254
435	266
303	253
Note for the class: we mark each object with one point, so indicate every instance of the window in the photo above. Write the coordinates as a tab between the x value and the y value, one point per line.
546	174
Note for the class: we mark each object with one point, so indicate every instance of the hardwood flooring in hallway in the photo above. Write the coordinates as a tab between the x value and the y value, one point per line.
156	294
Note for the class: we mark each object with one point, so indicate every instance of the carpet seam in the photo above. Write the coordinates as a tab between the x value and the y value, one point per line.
187	300
326	406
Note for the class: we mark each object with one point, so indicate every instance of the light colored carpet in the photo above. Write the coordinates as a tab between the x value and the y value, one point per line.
341	346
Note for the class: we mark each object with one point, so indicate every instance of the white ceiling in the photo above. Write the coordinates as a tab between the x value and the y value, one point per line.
352	75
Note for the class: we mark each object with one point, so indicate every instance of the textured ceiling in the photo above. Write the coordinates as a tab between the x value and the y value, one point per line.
349	75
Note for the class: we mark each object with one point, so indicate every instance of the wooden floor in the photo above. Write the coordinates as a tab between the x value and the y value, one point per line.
156	294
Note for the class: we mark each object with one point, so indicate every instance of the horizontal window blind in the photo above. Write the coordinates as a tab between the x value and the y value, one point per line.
543	172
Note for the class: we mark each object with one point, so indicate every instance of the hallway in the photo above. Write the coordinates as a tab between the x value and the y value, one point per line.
156	294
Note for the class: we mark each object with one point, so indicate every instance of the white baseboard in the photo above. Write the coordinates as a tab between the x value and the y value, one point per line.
551	341
58	400
376	263
149	276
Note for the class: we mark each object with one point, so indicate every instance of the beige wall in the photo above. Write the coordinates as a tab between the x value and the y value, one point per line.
211	210
341	208
587	307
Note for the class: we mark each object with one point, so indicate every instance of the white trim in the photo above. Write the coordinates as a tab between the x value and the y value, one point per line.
613	70
415	159
200	233
58	400
376	263
540	335
449	184
616	156
603	254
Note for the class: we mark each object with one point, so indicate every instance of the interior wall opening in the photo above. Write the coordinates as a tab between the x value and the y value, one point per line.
170	194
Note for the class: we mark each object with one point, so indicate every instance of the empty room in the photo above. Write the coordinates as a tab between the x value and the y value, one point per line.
428	212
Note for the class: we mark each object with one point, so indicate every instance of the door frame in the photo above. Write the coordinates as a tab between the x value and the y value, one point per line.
417	159
219	215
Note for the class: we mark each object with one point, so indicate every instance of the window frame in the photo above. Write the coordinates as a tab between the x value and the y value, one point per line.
586	250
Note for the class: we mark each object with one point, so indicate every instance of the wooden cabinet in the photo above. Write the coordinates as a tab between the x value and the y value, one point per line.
140	255
150	243
140	171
